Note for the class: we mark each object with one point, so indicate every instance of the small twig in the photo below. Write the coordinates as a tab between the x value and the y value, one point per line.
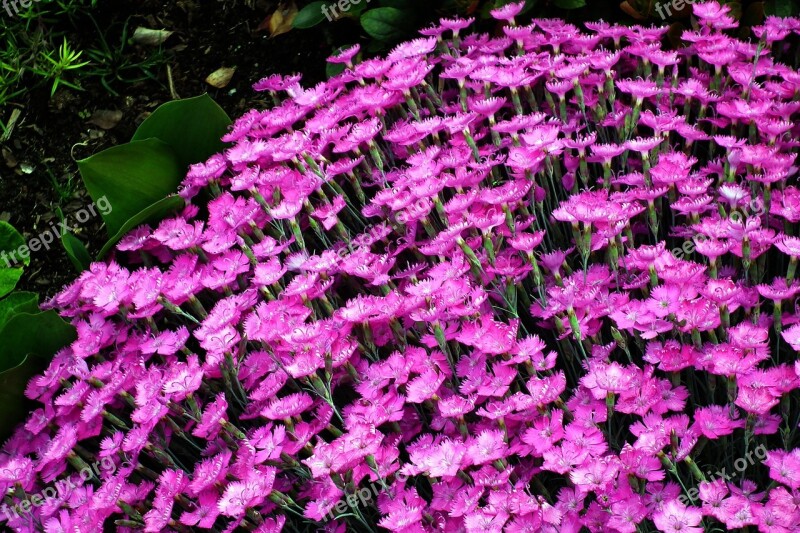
171	83
72	149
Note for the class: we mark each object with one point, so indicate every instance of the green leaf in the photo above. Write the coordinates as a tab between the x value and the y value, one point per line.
11	261
334	69
18	302
76	251
193	128
735	9
131	177
10	242
779	8
569	4
9	277
386	24
310	16
39	334
12	393
151	214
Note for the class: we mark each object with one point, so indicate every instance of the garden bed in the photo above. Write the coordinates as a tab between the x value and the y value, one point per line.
38	173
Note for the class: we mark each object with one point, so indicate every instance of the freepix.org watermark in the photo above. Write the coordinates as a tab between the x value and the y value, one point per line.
105	467
739	466
362	496
665	10
330	11
755	208
55	231
8	5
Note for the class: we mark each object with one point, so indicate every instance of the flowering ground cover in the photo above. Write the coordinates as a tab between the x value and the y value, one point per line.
542	281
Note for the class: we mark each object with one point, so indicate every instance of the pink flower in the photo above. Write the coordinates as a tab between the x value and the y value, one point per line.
212	419
676	517
167	342
288	406
714	421
784	467
486	447
792	336
508	11
208	472
206	512
424	386
241	495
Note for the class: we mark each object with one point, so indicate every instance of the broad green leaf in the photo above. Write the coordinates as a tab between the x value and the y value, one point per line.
131	177
334	69
193	128
39	334
76	251
735	9
386	24
12	393
779	8
311	15
151	214
18	302
28	340
9	277
10	242
569	4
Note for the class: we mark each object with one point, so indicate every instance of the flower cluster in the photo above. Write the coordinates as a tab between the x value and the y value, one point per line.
446	274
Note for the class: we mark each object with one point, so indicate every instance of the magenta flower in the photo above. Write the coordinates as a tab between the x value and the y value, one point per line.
676	517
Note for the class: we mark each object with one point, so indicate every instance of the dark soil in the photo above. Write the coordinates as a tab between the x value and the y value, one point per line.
38	173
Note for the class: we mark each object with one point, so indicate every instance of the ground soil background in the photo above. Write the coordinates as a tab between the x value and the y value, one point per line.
38	171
